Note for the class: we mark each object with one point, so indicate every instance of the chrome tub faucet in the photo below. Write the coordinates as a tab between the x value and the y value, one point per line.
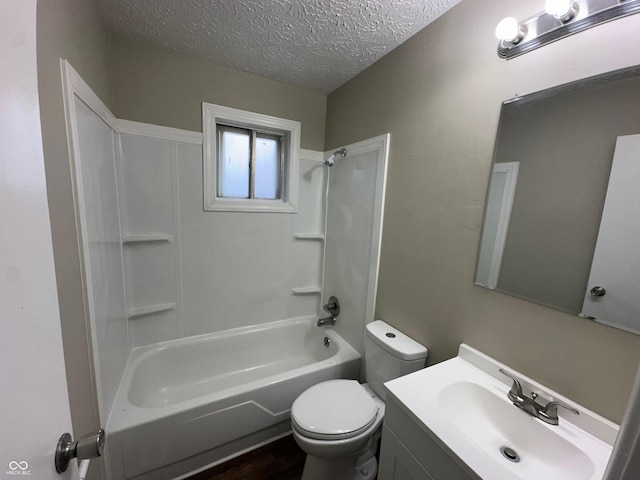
547	413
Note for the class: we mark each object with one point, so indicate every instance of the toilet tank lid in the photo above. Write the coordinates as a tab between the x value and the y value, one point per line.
395	342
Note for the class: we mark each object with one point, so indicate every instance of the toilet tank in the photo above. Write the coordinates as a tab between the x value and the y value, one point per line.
389	354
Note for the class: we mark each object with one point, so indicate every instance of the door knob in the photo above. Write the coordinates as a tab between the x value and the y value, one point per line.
88	446
598	291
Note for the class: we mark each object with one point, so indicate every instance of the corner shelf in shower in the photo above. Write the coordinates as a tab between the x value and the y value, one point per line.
309	236
312	290
150	309
146	238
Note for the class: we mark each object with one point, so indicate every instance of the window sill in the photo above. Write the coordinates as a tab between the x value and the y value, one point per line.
242	205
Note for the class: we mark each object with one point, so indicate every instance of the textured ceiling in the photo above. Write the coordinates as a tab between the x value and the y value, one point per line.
317	44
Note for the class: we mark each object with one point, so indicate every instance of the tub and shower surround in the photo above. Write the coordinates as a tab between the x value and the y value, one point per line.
157	267
196	401
164	278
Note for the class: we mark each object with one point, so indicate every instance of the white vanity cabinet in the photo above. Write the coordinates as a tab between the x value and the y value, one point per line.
397	462
454	421
411	452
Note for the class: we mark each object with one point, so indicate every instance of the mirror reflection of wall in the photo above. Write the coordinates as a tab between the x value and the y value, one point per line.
563	140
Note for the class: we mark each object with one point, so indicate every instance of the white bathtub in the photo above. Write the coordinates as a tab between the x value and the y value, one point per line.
188	404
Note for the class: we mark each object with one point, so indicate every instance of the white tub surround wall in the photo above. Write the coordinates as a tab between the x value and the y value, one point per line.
192	403
242	268
90	135
156	266
148	180
190	271
355	209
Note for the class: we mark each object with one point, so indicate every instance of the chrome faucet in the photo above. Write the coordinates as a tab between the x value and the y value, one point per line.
547	413
326	321
333	309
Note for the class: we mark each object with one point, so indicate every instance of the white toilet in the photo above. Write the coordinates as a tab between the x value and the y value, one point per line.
338	422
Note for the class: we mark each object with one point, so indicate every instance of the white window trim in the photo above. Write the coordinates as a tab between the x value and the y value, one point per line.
214	114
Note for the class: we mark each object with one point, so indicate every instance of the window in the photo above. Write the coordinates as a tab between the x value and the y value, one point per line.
250	161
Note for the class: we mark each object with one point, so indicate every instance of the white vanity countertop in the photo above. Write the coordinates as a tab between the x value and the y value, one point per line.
463	401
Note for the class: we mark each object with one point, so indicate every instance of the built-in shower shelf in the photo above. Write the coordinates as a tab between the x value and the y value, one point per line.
147	238
309	236
312	290
106	241
150	309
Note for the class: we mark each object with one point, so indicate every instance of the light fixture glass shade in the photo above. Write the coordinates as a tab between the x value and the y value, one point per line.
561	9
508	30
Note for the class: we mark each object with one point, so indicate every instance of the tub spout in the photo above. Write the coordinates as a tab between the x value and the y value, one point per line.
326	321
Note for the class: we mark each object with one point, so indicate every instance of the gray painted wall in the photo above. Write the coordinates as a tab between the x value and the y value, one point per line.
565	146
156	85
439	95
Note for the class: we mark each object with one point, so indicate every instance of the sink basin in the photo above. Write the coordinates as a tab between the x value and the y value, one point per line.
463	403
491	423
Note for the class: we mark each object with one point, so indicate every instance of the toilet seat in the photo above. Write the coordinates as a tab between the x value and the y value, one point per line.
334	410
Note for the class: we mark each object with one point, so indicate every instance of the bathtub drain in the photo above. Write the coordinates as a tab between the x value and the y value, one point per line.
510	454
327	342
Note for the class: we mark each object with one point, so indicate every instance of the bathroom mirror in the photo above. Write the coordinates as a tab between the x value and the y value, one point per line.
551	176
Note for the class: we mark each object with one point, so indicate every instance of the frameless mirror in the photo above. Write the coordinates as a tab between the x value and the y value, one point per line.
562	217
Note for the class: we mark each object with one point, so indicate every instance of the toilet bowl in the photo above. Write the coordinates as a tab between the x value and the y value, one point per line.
338	422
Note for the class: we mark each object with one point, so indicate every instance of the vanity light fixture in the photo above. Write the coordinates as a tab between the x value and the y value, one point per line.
510	31
563	10
560	19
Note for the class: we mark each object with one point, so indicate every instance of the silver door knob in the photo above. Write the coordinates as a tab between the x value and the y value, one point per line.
598	291
88	446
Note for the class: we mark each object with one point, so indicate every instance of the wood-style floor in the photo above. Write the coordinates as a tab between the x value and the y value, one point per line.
279	460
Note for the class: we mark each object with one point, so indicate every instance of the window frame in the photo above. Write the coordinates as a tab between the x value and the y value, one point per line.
214	115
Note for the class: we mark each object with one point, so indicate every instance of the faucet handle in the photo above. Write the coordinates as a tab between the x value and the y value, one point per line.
333	307
549	413
515	394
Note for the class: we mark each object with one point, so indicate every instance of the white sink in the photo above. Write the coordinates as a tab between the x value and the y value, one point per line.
490	423
463	402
